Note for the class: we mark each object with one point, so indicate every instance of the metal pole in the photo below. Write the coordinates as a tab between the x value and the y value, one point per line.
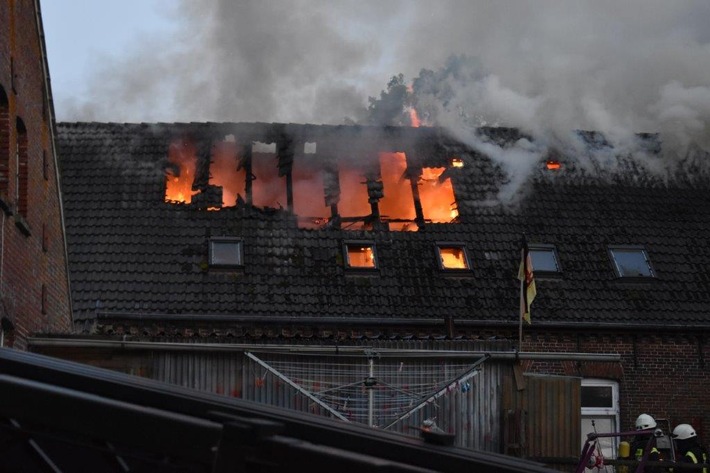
371	395
297	387
520	316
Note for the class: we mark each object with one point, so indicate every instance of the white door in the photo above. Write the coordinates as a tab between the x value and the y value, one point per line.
600	413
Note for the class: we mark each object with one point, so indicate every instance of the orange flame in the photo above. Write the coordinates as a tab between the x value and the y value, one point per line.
269	189
181	172
437	197
398	202
553	165
414	118
361	256
353	194
453	258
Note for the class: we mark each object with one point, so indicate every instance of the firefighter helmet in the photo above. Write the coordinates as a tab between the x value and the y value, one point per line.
683	432
645	421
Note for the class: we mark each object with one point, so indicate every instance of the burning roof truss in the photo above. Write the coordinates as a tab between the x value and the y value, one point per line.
343	177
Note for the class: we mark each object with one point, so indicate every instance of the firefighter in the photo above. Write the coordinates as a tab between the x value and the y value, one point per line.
645	422
688	446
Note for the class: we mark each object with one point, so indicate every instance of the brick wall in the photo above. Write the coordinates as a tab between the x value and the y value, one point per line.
662	375
27	266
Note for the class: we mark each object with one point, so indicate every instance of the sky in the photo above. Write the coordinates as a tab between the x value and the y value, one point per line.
545	66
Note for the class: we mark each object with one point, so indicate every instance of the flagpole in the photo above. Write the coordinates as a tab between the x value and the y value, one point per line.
520	316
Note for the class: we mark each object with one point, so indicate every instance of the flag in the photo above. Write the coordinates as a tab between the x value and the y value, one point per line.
527	282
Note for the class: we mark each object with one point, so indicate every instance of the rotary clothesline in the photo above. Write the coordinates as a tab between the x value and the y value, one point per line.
363	391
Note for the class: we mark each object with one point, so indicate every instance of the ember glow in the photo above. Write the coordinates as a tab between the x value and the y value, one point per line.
180	173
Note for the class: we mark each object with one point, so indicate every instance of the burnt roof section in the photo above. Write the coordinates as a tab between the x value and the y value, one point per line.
132	254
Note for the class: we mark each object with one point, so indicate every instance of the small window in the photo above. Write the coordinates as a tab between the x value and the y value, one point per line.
309	147
452	257
360	255
598	396
631	262
544	259
226	252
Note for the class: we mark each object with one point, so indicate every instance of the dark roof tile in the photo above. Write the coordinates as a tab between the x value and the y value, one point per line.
132	251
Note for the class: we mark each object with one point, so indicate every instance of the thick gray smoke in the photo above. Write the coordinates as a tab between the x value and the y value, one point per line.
546	67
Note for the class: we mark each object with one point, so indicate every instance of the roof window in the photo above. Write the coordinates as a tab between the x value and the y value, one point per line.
544	259
452	257
631	262
360	255
226	252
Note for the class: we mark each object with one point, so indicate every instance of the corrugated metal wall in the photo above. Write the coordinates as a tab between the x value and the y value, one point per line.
469	408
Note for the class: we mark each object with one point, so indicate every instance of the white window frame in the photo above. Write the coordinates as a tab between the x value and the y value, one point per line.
604	412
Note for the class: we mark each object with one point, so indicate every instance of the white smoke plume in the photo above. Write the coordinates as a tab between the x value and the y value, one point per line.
545	67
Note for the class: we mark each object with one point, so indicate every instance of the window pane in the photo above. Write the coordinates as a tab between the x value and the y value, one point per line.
597	396
631	262
225	253
453	257
544	260
361	256
591	424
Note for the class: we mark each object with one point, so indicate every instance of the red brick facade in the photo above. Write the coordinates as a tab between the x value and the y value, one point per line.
34	287
664	375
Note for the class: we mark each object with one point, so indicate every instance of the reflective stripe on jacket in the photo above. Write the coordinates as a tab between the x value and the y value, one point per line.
694	459
639	453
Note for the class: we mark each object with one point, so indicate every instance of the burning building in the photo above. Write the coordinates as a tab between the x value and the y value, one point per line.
323	183
369	274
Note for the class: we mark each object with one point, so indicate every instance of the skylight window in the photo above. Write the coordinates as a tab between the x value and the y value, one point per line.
360	255
544	259
452	256
631	262
226	252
